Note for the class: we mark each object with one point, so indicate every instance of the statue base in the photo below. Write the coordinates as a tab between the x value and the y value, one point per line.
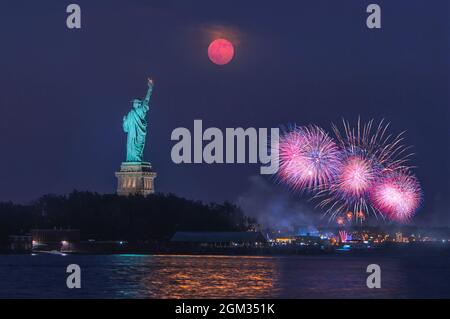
135	178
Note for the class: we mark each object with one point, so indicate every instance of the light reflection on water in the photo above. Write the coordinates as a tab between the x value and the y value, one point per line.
145	276
211	277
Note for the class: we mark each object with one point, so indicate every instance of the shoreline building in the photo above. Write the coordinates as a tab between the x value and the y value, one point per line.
218	239
55	239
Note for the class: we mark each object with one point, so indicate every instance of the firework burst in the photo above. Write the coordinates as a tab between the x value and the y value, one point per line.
356	176
368	153
397	196
309	159
364	171
374	143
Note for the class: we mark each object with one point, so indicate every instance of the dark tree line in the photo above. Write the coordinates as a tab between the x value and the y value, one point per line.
112	217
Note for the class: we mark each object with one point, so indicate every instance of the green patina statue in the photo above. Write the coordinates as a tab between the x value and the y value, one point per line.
135	124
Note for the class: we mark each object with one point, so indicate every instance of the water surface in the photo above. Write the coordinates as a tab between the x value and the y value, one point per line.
146	276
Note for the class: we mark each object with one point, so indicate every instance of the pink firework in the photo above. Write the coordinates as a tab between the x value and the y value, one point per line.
397	196
351	187
356	176
368	151
309	158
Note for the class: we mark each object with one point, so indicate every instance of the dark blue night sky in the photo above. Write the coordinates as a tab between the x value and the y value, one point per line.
64	92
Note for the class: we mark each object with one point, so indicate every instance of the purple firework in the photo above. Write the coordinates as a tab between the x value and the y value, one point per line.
308	158
367	154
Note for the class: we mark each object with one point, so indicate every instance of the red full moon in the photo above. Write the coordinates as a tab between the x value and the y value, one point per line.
221	51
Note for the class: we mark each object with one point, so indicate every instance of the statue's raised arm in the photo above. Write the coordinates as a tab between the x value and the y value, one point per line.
146	100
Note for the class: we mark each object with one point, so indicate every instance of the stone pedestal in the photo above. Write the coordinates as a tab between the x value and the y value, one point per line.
135	178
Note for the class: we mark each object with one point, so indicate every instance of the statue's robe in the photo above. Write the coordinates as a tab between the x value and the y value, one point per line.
135	124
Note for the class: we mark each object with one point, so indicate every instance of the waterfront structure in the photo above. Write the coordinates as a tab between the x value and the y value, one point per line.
20	243
136	175
218	239
295	240
55	239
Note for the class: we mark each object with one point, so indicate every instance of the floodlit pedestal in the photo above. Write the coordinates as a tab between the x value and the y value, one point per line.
135	178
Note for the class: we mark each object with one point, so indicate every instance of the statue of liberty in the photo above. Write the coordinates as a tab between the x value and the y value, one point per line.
135	125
